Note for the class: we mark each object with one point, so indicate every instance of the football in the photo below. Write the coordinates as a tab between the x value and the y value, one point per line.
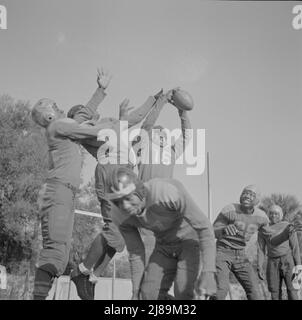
183	100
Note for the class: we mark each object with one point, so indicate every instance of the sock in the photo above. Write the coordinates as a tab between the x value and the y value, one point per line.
104	260
95	251
43	281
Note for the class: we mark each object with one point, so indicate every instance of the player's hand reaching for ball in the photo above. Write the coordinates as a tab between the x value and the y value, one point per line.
103	78
169	96
124	109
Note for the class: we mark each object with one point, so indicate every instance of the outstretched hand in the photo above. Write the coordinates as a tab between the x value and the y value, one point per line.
103	78
170	94
124	109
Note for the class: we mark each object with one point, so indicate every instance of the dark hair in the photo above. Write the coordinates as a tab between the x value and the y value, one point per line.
73	110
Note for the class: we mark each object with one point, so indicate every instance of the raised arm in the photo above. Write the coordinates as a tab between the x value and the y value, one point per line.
71	129
151	118
89	111
292	227
186	129
136	250
136	116
141	147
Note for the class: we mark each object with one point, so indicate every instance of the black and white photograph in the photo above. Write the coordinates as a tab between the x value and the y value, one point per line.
150	150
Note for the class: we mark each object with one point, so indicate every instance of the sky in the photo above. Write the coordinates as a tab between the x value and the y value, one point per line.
240	61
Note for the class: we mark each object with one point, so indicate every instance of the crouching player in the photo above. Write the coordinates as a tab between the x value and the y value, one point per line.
184	236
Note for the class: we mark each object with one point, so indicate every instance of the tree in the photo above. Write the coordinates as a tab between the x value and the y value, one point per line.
23	165
85	227
288	203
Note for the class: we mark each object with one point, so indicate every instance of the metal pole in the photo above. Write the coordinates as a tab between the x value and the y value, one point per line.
91	214
209	188
55	289
69	285
113	280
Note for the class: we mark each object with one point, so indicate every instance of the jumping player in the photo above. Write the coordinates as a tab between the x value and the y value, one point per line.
162	163
63	180
109	241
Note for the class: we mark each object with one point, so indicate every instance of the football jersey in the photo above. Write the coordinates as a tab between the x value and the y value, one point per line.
246	224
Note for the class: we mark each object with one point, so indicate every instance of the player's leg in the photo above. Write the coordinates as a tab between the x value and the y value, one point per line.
274	281
97	248
246	276
57	219
137	115
114	240
223	267
149	242
159	273
114	243
187	270
104	245
81	276
102	263
287	264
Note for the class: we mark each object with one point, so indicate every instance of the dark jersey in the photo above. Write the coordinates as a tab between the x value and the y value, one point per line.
247	225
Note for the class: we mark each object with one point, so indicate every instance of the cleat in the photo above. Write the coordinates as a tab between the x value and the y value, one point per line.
85	288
